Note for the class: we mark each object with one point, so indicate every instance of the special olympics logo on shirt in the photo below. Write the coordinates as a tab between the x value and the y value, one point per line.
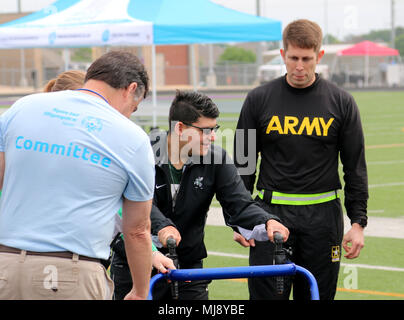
92	124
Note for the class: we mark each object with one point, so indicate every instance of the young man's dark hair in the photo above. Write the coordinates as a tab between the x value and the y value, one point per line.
189	106
119	69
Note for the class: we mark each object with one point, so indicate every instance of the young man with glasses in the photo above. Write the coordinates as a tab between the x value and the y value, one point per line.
190	170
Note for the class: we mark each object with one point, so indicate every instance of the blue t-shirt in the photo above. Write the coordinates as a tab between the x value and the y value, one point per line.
70	157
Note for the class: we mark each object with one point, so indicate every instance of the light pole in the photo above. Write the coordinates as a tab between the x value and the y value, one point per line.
325	21
259	44
393	29
23	79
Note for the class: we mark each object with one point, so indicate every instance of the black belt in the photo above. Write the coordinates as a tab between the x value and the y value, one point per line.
56	254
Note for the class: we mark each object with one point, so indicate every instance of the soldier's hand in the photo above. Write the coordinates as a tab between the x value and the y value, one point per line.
168	232
356	238
275	226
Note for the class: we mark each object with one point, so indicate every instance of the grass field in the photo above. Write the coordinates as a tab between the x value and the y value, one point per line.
382	116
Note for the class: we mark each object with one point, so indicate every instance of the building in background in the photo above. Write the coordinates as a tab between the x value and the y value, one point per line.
27	67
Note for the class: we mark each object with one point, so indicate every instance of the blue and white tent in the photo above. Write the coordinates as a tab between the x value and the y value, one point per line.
90	23
74	23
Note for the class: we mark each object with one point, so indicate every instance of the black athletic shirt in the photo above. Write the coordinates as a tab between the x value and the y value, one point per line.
300	133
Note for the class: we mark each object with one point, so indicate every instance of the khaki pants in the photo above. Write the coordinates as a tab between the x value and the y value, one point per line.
29	277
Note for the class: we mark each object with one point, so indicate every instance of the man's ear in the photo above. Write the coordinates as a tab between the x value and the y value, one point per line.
320	55
133	86
179	128
128	91
131	89
282	51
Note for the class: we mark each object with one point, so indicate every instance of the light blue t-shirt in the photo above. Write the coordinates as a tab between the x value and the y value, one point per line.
70	157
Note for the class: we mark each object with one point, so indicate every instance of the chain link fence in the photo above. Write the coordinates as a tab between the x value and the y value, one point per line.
225	75
231	74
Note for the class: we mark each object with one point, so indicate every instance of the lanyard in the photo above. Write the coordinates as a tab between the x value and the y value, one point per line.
95	92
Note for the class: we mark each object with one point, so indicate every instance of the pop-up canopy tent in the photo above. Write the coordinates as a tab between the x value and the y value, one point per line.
75	23
368	49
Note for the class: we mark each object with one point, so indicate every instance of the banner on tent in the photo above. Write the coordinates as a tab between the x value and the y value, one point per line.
91	35
83	23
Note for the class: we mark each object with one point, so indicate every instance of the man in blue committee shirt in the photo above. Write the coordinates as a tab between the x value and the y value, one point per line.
68	161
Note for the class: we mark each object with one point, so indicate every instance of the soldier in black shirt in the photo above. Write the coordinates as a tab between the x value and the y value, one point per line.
303	124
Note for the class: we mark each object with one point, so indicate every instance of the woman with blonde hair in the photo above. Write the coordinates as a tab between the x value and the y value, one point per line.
68	80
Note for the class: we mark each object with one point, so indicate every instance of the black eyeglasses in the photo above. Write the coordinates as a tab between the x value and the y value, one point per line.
215	128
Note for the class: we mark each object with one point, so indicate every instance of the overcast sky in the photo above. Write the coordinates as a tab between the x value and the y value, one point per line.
344	16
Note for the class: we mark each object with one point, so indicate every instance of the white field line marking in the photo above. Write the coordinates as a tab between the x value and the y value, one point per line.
368	266
230	255
378	146
379	163
363	266
384	162
391	184
375	211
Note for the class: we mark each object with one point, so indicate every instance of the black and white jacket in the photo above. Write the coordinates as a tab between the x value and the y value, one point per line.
202	178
